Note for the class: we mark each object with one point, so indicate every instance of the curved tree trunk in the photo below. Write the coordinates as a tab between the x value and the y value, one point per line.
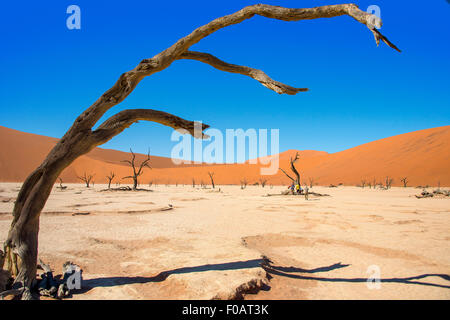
22	242
21	246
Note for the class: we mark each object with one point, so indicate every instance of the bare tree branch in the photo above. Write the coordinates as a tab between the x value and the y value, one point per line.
379	36
129	80
287	174
122	120
256	74
144	164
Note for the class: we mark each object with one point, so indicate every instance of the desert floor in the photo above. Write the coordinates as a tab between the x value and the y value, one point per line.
179	242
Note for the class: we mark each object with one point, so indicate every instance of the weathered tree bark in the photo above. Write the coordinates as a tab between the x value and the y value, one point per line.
21	246
137	173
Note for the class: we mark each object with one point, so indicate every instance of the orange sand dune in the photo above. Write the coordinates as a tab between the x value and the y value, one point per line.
422	156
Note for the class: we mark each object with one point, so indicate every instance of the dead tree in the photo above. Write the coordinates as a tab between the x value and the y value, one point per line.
61	184
363	183
87	178
139	171
311	182
110	177
388	182
262	182
294	170
211	176
22	241
404	180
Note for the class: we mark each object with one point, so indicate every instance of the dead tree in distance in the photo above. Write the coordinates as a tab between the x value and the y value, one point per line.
388	182
139	171
22	241
87	178
61	184
244	183
110	177
311	182
211	176
262	182
404	180
363	183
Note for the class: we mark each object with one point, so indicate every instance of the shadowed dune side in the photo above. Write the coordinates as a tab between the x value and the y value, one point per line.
422	156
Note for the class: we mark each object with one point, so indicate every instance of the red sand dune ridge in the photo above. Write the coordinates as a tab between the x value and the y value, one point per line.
422	156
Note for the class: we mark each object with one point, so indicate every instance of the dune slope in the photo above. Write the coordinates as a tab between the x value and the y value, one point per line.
421	156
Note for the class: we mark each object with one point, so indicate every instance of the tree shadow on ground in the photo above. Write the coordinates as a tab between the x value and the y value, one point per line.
286	272
118	281
300	270
266	264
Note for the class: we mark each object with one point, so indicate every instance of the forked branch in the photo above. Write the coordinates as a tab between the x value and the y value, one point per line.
287	174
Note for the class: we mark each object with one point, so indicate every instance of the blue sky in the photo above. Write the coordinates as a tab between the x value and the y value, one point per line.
358	92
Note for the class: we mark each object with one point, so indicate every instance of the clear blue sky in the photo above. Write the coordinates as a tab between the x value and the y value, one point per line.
358	92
